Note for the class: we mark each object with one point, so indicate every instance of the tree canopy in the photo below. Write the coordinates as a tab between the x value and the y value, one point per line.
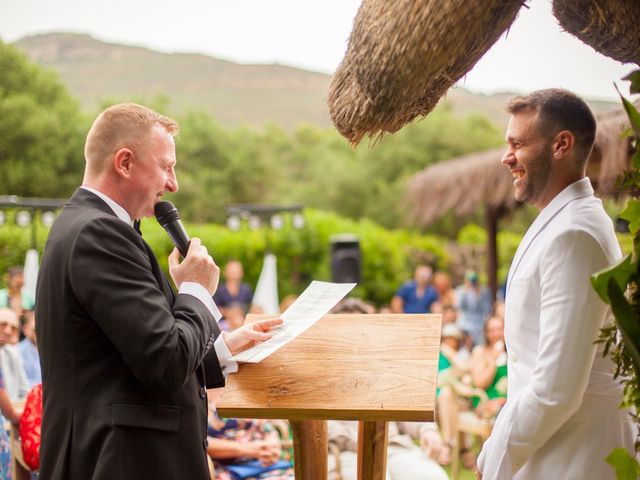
41	130
42	134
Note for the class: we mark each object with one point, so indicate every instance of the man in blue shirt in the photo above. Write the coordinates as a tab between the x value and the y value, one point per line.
417	295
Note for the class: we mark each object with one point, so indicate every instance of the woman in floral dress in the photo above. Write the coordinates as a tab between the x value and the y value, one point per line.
247	450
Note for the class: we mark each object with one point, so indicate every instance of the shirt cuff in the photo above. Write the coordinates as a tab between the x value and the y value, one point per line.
196	290
227	364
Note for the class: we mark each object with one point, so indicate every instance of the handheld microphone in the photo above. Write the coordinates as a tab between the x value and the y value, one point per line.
168	216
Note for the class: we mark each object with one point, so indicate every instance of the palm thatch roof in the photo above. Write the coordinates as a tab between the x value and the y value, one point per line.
609	26
464	183
403	55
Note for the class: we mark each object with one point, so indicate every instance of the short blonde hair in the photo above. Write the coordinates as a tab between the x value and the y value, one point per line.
119	126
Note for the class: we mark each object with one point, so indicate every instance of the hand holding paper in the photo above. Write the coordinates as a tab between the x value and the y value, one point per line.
250	334
311	306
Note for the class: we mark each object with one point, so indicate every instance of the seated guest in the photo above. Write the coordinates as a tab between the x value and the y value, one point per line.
452	366
15	378
245	449
417	295
233	290
489	368
412	447
437	308
6	411
449	315
474	304
444	287
233	318
352	305
453	358
15	296
28	349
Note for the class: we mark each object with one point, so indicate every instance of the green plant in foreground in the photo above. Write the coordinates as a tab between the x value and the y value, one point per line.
619	286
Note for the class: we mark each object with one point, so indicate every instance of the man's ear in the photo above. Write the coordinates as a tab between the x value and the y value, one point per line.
122	162
563	144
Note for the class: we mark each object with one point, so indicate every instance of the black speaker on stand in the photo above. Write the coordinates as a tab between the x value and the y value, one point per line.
345	258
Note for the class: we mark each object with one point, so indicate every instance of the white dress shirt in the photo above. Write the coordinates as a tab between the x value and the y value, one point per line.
227	364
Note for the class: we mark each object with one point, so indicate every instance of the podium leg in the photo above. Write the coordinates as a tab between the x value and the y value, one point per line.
372	450
310	448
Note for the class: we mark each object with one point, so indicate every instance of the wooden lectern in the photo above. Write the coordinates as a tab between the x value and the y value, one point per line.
370	368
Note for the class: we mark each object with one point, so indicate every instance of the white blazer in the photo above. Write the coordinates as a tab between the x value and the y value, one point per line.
561	418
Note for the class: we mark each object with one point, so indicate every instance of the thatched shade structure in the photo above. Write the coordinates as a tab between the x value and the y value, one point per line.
405	54
462	184
609	26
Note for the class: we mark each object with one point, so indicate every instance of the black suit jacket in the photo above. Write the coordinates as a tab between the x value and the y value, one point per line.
122	356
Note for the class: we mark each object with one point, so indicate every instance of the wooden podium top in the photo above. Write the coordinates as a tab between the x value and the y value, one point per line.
345	367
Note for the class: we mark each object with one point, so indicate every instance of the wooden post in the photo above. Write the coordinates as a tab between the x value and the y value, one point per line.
492	215
310	447
372	450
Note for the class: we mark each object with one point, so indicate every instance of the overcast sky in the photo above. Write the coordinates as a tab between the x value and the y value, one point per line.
313	35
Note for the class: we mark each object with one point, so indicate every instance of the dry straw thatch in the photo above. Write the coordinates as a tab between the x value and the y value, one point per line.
609	26
403	55
464	183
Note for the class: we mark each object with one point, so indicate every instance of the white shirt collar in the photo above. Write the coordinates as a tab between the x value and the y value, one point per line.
120	212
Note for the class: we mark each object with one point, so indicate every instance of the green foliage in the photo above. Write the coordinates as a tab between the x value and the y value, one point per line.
42	136
634	78
620	273
41	130
622	340
508	243
388	257
626	467
15	241
631	213
472	234
627	322
314	167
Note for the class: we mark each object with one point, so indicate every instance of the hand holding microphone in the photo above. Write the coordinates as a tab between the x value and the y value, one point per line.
197	266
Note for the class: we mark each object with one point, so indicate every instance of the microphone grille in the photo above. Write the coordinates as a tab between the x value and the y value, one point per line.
165	211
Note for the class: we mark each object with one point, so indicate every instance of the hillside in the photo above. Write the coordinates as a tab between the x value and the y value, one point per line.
97	72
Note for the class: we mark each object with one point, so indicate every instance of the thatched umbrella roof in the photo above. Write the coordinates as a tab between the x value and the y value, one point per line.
609	26
464	183
403	55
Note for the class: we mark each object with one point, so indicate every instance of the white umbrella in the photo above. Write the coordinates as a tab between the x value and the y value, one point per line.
31	272
266	294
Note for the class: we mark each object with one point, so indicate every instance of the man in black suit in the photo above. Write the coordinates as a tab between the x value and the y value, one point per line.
126	363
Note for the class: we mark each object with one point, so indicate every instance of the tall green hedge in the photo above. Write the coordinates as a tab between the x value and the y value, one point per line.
388	256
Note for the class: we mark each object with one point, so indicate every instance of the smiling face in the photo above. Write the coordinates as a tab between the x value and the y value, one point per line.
152	173
529	157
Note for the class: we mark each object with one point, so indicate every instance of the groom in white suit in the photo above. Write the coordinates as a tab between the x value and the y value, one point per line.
562	416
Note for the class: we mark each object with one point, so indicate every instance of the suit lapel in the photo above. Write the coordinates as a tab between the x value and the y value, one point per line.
580	189
161	278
